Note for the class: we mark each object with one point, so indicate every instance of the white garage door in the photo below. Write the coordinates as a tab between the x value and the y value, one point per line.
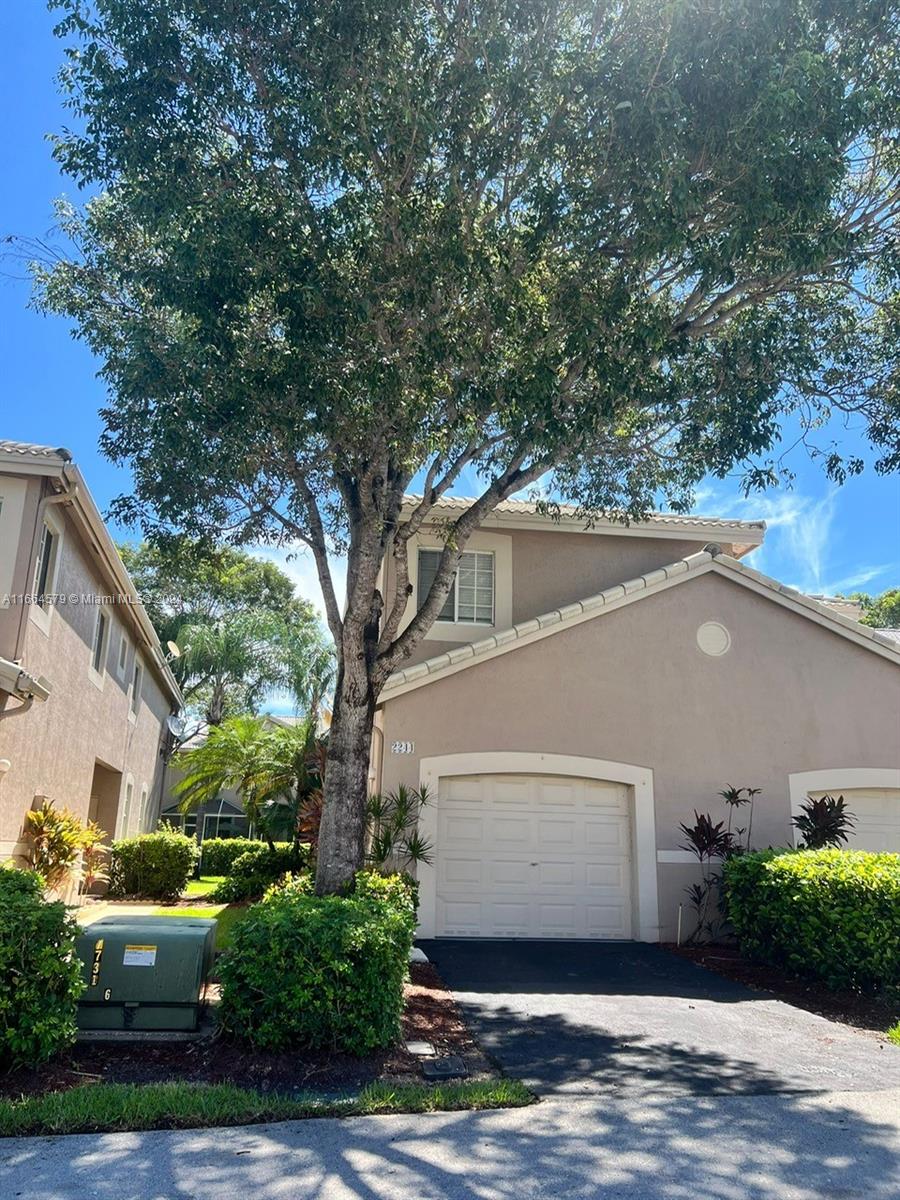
533	856
877	812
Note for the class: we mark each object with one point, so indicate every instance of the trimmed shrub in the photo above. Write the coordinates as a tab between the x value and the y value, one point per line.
292	884
40	974
217	855
256	870
319	972
157	865
831	914
401	890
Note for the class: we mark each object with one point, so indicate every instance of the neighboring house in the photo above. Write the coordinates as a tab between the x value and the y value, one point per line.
85	692
585	690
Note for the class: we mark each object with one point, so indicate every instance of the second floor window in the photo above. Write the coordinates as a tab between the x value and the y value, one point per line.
43	571
136	683
99	642
471	598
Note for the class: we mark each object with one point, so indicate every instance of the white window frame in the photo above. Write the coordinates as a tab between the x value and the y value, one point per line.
498	544
137	684
97	675
42	616
122	659
127	803
453	594
143	811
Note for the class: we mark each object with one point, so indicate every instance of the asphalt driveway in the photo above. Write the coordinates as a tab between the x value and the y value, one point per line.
586	1018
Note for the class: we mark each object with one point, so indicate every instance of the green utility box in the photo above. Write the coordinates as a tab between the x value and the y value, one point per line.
144	973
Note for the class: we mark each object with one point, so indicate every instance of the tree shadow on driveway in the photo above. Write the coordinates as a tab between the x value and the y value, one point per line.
582	1018
735	1147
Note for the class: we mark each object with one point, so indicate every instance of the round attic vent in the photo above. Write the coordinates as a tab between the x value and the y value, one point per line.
713	639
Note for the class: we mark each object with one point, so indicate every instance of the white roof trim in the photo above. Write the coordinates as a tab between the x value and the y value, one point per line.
409	678
523	514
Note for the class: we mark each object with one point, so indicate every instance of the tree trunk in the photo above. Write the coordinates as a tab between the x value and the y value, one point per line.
342	834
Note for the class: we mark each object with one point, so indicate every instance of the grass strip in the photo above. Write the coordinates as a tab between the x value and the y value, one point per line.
120	1107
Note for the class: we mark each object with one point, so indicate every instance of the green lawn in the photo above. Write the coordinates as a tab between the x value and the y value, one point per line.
226	917
106	1107
202	886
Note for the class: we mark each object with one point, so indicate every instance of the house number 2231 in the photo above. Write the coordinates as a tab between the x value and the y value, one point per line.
403	747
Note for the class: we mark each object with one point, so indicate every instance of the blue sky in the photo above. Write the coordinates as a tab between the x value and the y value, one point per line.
820	539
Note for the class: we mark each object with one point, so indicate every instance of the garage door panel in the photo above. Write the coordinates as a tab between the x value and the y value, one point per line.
877	813
538	856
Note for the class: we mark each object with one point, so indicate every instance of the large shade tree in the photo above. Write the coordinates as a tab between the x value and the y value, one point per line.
240	629
345	249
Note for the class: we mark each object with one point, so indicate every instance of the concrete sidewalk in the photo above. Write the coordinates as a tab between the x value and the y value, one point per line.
831	1146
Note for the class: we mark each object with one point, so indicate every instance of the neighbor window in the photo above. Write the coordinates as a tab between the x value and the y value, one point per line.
99	641
43	570
471	598
123	656
136	682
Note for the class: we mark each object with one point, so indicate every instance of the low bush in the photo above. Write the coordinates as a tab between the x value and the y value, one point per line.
400	890
217	855
256	870
157	865
299	883
320	972
40	974
832	914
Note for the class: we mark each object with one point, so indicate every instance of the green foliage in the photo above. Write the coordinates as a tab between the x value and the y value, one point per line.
823	821
217	855
237	621
157	865
401	890
893	1034
294	883
831	914
275	769
55	837
16	884
392	828
880	612
40	975
321	972
255	870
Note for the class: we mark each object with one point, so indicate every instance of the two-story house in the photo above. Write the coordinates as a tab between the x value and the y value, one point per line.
86	695
585	690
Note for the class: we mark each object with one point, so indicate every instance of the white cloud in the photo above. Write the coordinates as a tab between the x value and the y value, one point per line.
800	537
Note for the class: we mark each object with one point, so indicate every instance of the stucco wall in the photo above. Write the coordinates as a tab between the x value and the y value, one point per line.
632	686
552	567
53	747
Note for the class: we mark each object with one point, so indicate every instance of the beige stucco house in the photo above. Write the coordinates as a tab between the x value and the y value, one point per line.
85	691
586	689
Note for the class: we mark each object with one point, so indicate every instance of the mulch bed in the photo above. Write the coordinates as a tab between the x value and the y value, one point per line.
431	1015
871	1015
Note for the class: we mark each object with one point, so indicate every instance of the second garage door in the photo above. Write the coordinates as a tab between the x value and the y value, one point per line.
877	813
534	856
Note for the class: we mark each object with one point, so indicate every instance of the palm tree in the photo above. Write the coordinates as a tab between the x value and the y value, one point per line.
230	662
275	769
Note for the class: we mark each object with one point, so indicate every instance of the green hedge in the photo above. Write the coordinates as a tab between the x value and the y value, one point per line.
157	865
831	914
323	973
217	855
257	869
40	974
